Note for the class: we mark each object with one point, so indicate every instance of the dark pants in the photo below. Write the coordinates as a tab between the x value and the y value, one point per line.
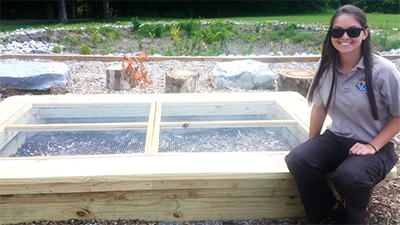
353	176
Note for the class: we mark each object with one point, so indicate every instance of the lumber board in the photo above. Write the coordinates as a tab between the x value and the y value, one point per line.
155	208
276	185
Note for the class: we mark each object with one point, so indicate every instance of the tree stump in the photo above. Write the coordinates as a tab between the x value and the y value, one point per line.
180	81
295	80
119	79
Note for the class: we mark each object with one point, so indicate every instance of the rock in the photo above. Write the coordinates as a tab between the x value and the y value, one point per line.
35	76
38	51
246	74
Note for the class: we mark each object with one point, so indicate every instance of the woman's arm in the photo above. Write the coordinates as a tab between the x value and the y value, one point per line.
387	133
317	119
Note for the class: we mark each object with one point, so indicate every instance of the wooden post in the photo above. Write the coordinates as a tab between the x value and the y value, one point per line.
117	78
181	81
295	80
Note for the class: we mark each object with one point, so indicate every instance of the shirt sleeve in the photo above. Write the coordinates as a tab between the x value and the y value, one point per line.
317	99
390	89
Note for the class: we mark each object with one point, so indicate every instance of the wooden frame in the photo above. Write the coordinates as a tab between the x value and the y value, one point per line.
149	186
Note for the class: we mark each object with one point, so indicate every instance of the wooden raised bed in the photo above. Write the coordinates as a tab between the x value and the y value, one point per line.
152	185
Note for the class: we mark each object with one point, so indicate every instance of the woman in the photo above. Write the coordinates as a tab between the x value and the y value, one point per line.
361	93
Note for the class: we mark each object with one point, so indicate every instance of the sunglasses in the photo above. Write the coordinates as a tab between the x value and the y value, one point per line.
352	32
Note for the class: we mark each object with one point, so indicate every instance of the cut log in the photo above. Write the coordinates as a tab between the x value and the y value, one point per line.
181	81
295	80
119	79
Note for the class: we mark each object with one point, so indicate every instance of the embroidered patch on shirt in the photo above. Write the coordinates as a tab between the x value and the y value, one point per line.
361	85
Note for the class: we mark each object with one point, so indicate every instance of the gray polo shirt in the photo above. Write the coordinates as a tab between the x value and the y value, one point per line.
350	110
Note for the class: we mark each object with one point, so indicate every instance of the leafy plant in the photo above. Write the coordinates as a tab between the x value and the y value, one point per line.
85	49
319	49
139	72
136	23
175	33
153	51
71	40
190	26
95	37
57	49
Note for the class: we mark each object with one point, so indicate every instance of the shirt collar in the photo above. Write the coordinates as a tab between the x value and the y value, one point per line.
360	63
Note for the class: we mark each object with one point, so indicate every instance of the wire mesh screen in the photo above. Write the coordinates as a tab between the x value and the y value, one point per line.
70	143
222	112
86	114
230	139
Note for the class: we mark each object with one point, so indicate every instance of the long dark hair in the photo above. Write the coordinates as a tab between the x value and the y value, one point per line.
330	58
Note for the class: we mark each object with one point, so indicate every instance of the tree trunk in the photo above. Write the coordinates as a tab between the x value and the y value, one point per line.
181	81
104	10
62	12
119	79
295	80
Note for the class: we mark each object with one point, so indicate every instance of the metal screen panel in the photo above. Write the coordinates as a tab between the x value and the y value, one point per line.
69	143
86	114
230	139
179	112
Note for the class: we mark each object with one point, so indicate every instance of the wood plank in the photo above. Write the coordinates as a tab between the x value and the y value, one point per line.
88	187
252	123
77	126
132	167
171	208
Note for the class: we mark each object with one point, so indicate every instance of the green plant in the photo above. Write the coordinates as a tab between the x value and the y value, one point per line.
139	72
140	45
175	33
168	51
136	23
57	49
111	33
319	49
85	49
158	30
95	37
190	26
71	40
152	35
153	51
275	50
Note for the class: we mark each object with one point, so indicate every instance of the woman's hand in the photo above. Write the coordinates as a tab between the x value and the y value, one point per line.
361	149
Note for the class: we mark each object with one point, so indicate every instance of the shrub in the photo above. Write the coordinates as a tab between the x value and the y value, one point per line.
85	49
136	23
57	49
139	73
71	40
95	37
190	26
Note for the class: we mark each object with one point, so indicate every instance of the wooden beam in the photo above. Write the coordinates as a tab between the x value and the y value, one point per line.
175	205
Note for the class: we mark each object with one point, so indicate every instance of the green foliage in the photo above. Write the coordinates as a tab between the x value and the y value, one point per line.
85	49
175	33
140	44
95	37
158	30
70	40
57	49
190	26
168	51
319	49
136	23
111	33
153	51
